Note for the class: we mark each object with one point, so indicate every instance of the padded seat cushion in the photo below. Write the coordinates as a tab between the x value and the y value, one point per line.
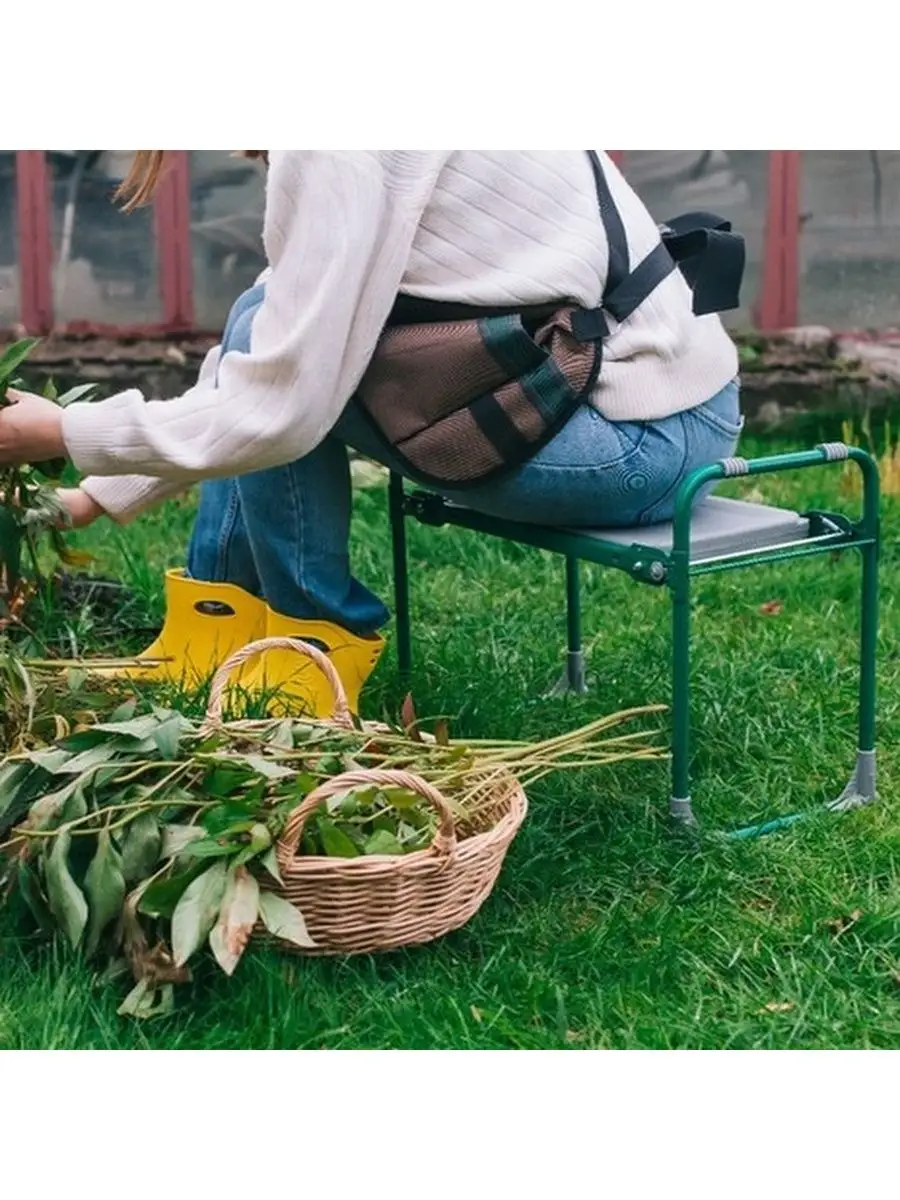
718	526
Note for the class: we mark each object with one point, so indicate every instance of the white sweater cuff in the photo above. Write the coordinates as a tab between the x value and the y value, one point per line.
93	433
124	497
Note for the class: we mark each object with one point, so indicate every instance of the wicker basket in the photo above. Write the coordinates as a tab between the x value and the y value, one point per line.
380	902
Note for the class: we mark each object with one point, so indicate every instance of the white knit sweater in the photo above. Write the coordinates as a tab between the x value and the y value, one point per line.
344	231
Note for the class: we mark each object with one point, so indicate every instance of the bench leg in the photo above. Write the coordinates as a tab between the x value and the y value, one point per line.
401	574
861	789
680	800
573	681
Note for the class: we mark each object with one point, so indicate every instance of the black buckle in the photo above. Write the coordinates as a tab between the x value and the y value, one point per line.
589	325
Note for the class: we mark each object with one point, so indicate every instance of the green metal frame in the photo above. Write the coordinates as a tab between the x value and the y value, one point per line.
674	570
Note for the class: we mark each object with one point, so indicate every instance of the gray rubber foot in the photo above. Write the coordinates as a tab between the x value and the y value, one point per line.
861	789
573	681
683	812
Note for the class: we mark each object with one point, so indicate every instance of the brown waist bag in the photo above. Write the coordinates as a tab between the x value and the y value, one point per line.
463	395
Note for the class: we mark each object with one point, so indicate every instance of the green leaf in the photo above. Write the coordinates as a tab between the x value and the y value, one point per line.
75	804
76	393
383	842
229	936
401	798
209	848
267	768
260	837
269	860
141	844
196	911
123	713
104	884
76	677
12	775
82	740
52	760
260	841
15	792
335	842
47	812
407	833
13	357
29	888
176	837
222	781
306	783
168	736
133	727
346	803
104	775
66	901
161	897
283	920
283	735
77	764
224	817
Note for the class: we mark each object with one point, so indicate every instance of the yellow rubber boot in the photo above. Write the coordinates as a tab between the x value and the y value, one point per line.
297	686
204	624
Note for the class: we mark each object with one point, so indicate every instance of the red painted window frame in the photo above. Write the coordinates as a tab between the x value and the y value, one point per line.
35	247
778	303
173	242
172	227
776	308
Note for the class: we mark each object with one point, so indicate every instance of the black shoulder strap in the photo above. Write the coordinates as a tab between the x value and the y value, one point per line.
617	269
709	254
624	290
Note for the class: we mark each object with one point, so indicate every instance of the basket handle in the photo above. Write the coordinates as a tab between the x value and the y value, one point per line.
443	844
341	715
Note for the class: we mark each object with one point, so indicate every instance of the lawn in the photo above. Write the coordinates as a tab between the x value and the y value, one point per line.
606	929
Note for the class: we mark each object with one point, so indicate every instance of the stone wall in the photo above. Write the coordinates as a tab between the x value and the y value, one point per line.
802	371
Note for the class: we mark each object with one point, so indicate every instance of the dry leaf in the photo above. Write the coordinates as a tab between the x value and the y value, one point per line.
775	1006
230	935
839	925
410	719
771	608
365	474
477	1014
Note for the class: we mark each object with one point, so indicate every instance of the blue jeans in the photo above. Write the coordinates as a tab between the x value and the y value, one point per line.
283	533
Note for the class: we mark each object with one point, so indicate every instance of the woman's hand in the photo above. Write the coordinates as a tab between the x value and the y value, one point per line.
82	509
30	430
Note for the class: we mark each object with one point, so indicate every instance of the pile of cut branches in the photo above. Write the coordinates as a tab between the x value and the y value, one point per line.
147	835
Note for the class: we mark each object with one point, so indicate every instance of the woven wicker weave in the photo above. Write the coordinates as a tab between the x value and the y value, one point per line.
380	902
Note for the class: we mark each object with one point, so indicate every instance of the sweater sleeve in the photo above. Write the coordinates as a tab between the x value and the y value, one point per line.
337	239
126	496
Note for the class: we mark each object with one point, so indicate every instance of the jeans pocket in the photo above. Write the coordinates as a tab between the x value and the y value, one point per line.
722	414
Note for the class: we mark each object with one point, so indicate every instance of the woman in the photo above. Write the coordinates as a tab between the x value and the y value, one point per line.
267	424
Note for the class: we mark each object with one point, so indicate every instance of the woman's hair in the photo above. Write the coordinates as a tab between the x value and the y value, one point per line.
140	184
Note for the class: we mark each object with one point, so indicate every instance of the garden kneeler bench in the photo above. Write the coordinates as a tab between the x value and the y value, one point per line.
709	536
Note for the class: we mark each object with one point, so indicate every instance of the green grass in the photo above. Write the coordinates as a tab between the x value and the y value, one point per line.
605	930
